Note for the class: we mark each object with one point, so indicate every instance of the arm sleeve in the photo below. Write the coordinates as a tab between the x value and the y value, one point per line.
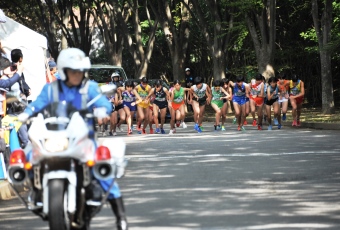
9	82
94	91
41	102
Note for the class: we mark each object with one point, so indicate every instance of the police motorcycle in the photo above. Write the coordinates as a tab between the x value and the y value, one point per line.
59	165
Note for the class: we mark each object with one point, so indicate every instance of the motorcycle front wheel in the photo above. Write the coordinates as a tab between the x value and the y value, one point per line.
57	214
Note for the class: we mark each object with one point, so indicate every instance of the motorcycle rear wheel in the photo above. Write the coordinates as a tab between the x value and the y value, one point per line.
56	204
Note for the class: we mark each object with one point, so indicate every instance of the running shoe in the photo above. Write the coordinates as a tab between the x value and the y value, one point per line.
254	122
199	130
162	131
139	131
196	127
201	127
110	133
284	117
223	129
243	129
114	134
298	123
276	122
279	126
259	127
178	123
129	131
174	130
238	128
158	130
104	133
184	126
171	132
151	130
234	120
245	122
143	131
270	127
294	123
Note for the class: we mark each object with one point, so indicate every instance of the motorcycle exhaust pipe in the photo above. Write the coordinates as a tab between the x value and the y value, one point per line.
103	171
17	175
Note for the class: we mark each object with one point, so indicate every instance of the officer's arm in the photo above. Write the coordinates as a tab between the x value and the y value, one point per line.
94	91
41	102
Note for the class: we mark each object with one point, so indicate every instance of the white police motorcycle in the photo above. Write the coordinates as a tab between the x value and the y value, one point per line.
57	166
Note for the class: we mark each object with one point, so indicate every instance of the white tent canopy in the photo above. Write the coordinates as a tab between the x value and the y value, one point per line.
14	35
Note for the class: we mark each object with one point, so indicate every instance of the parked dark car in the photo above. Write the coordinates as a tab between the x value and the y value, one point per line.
102	73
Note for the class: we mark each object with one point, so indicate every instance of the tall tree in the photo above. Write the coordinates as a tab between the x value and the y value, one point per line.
261	21
323	27
216	21
174	19
139	48
110	31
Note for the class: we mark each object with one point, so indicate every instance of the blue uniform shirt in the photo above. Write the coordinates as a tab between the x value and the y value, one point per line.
68	94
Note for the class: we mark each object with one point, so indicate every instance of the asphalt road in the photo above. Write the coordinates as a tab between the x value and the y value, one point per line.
280	179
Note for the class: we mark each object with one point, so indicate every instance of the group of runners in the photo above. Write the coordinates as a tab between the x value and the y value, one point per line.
149	102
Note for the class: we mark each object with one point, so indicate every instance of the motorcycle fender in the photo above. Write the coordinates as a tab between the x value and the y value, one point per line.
71	177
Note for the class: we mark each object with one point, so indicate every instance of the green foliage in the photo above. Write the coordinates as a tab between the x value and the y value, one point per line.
296	40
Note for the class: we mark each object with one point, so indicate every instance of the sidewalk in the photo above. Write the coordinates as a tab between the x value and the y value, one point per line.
309	125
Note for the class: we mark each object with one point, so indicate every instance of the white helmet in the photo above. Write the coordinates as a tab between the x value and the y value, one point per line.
115	74
72	58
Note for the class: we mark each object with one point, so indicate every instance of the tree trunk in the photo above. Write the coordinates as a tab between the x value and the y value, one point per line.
324	37
218	43
177	36
263	33
65	19
326	83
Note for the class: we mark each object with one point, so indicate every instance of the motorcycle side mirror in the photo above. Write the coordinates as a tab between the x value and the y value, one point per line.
105	90
108	89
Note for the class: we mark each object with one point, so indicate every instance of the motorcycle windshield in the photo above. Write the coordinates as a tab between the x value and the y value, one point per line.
57	115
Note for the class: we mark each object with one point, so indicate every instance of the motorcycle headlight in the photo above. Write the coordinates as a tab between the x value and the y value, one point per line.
56	144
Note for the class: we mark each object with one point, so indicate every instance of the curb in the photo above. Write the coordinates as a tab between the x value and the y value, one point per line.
6	192
310	125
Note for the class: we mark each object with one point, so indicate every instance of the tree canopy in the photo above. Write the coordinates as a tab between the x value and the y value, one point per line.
216	39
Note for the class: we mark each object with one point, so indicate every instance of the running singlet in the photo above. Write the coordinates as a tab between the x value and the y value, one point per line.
143	93
200	92
271	90
216	95
239	92
160	95
295	90
128	97
256	89
283	86
265	87
178	95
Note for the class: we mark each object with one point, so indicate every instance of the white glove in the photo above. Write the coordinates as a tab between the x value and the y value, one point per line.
23	117
100	112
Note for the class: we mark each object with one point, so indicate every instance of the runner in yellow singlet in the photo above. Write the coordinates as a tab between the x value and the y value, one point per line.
143	110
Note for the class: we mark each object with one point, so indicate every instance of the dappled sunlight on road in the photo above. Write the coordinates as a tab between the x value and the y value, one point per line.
223	183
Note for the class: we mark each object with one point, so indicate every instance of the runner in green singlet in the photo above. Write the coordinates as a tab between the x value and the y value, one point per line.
218	94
